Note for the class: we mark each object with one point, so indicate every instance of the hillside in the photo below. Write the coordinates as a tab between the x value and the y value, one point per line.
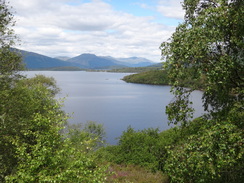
91	61
63	58
155	77
158	66
34	61
131	61
160	77
136	61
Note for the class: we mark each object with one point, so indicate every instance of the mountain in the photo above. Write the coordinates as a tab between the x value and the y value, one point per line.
63	58
91	61
136	61
132	61
84	61
38	61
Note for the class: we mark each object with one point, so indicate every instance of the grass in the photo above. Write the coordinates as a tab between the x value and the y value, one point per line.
134	174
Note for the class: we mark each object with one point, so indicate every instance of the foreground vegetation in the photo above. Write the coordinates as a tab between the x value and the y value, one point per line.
200	152
37	144
209	43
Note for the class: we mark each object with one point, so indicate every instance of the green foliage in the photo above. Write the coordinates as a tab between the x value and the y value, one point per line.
209	46
157	77
96	132
19	106
160	77
32	148
212	155
10	62
42	81
146	148
88	137
52	160
6	17
138	147
179	111
210	43
190	81
137	69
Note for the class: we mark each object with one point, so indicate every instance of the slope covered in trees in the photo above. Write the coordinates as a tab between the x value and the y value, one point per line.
160	77
155	77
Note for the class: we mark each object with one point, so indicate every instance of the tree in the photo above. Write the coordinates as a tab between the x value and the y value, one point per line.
32	149
88	137
20	104
210	44
212	155
10	62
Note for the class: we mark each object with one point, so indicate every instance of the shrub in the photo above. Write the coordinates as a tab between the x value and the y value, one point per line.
212	155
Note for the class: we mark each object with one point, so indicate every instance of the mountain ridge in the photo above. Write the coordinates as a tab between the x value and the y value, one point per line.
91	61
36	61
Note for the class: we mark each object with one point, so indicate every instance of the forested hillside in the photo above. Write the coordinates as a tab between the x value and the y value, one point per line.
154	77
160	77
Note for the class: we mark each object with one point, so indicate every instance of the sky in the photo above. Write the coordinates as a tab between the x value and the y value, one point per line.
117	28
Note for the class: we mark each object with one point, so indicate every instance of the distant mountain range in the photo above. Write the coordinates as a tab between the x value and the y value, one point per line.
84	61
91	61
62	58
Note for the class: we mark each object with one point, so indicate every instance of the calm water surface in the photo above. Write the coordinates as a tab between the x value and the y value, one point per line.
104	98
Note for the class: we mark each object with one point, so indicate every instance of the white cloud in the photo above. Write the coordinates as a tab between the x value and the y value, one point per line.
171	8
58	27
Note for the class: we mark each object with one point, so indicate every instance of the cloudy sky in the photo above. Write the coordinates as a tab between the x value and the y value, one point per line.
118	28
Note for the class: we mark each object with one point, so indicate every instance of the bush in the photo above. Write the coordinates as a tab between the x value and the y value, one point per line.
32	149
145	148
212	155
